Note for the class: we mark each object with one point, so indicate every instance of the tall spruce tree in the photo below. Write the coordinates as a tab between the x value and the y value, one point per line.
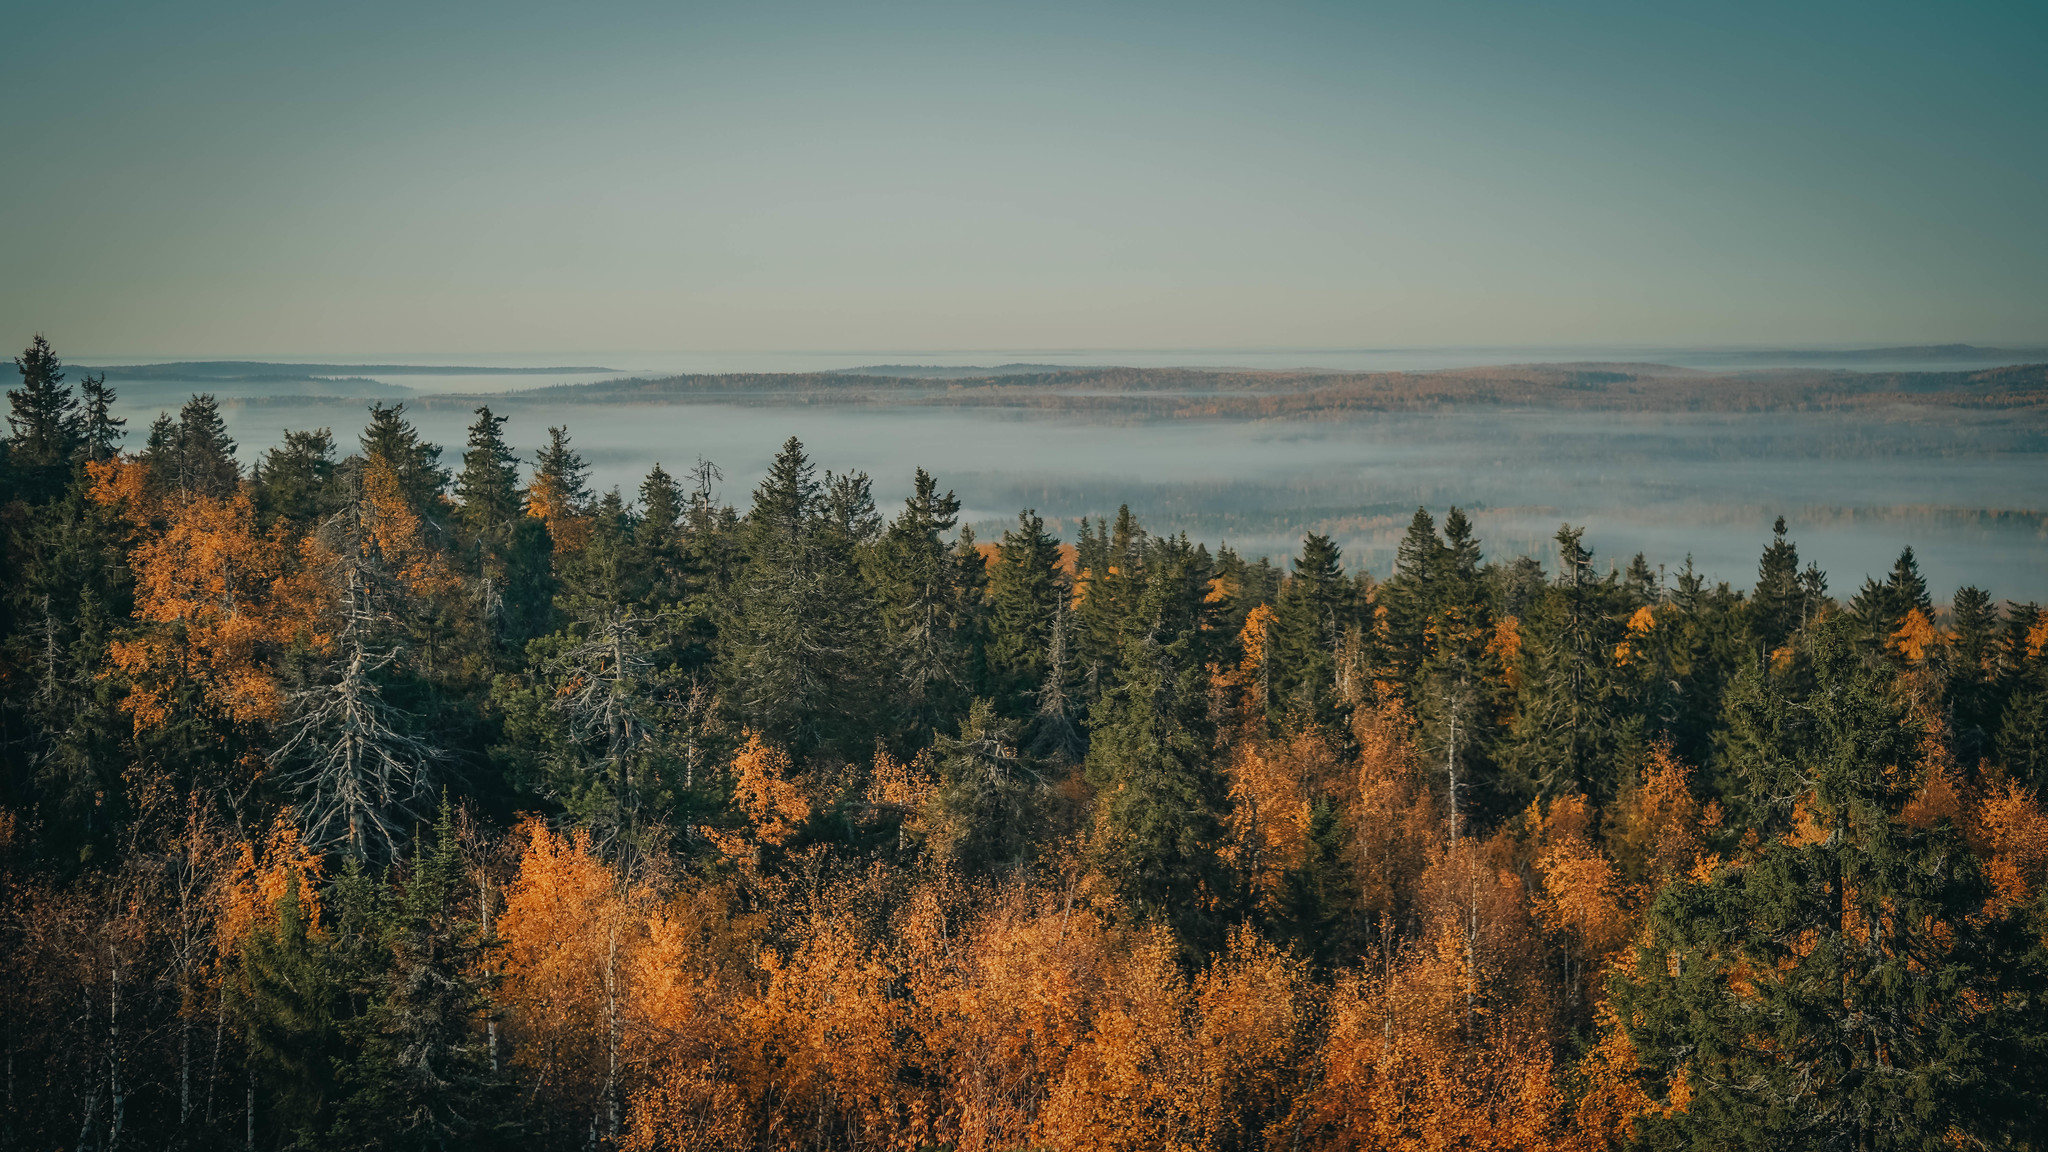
916	577
799	635
1025	586
507	551
1566	737
1162	798
43	420
192	456
393	441
1778	603
418	1072
1306	631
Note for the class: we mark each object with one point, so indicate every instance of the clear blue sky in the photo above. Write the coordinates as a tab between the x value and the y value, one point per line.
221	178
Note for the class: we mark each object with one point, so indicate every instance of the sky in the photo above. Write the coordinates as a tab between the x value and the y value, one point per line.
340	180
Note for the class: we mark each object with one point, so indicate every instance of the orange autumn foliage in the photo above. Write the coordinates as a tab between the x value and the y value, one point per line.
763	788
260	877
1653	828
569	932
1917	637
1396	828
2014	830
214	600
1273	785
400	536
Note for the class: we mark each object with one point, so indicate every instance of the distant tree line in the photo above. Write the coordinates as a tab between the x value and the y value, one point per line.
364	798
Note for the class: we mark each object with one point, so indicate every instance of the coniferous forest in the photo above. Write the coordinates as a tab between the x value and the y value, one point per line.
385	795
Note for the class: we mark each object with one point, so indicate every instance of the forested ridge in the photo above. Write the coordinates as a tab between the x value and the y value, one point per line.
376	796
1223	393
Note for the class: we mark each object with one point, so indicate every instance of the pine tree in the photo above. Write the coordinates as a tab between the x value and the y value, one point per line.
1837	986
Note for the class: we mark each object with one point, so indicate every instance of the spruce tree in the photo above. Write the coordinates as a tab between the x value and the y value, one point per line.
1566	737
1025	587
802	634
1161	797
1777	605
1843	983
989	812
1410	595
288	993
1972	673
100	430
418	1074
507	551
296	481
44	423
1306	632
192	456
1114	584
916	577
392	440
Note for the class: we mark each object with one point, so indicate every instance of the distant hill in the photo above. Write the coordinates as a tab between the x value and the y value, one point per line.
1929	353
1241	394
257	369
938	372
256	380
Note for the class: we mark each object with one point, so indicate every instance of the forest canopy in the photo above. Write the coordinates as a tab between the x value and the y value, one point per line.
381	795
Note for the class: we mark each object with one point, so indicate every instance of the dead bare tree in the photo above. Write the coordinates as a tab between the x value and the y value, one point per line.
360	772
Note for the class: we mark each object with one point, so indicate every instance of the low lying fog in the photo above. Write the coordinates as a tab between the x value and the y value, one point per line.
1966	490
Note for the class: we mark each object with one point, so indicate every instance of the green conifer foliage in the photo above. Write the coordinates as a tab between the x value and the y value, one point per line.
392	440
920	605
288	994
296	481
1778	605
44	424
805	633
1566	736
989	812
192	456
1025	586
418	1073
1308	627
1162	797
1836	986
